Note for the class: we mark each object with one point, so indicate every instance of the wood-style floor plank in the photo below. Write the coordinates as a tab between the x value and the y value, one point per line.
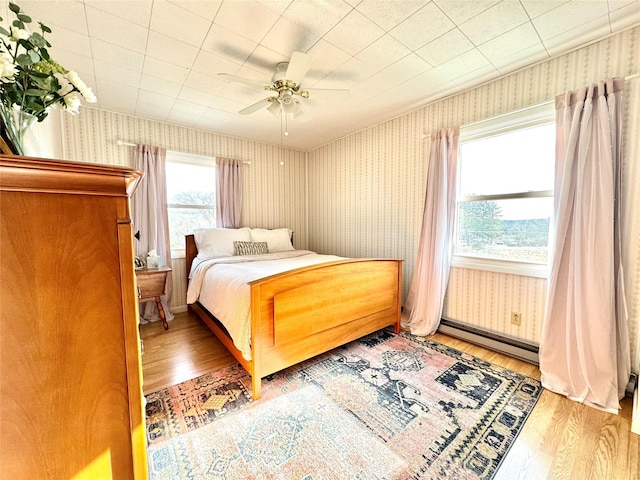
561	439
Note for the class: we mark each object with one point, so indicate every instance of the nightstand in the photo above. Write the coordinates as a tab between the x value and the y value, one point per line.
151	284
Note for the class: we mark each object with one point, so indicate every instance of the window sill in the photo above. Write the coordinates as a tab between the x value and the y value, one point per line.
175	254
501	266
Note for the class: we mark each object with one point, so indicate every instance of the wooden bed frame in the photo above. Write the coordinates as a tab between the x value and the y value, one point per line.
299	314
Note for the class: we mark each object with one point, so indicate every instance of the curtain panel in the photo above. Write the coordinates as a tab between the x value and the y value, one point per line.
228	192
425	300
584	346
151	218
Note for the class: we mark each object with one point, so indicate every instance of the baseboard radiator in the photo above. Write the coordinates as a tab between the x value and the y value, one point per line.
491	340
503	344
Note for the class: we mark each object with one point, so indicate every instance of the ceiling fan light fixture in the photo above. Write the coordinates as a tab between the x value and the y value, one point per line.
274	107
286	97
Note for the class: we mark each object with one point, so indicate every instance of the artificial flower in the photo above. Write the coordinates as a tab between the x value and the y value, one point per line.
30	80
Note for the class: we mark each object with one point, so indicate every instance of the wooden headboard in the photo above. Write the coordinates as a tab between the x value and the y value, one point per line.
190	252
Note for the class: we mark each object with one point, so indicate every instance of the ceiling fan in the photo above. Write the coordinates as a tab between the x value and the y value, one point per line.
286	83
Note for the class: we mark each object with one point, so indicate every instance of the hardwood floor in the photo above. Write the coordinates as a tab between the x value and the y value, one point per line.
185	351
561	439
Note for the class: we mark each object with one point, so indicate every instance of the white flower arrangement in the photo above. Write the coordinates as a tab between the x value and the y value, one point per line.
31	82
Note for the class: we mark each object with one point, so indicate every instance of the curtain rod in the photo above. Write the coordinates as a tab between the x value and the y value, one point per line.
633	76
129	144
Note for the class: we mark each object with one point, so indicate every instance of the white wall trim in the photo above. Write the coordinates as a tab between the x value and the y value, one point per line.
635	416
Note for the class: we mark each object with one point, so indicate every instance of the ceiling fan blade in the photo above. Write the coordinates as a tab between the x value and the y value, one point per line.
245	81
298	67
329	94
265	102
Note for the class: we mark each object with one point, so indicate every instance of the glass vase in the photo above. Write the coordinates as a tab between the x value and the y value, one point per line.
16	124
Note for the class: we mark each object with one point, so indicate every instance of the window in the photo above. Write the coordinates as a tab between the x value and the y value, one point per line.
191	196
505	192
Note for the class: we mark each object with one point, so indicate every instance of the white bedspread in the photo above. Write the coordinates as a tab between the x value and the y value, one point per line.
221	286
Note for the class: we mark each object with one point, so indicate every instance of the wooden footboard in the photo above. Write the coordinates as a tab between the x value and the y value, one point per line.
299	314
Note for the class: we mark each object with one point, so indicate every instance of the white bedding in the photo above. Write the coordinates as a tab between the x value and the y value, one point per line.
221	286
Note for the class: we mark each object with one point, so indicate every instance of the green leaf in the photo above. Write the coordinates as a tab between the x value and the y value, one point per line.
24	18
3	31
35	74
44	28
35	58
14	8
44	53
24	60
18	23
35	92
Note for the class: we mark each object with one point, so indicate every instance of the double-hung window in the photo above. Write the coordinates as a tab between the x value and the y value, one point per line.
191	196
505	192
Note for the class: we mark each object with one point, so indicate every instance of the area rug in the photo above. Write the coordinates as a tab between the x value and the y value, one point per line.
383	407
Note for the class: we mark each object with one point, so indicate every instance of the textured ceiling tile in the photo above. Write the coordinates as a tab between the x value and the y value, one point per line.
81	64
569	16
342	35
228	44
178	23
193	95
535	8
205	8
116	73
163	102
596	28
159	85
326	57
383	52
406	68
171	50
317	16
205	83
64	39
153	111
389	13
247	18
493	22
446	47
463	64
509	43
115	30
462	10
211	64
521	58
68	14
138	12
116	97
287	37
182	118
351	72
116	55
167	71
264	60
422	27
194	109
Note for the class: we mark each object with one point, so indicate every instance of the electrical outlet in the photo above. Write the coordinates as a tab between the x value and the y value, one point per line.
516	318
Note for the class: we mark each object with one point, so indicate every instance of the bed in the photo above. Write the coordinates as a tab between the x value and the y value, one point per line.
291	315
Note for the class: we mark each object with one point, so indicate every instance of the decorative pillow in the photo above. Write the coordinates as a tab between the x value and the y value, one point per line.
278	240
250	248
218	242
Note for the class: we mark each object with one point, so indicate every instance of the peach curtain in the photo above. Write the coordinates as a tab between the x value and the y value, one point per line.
151	218
228	192
425	300
584	346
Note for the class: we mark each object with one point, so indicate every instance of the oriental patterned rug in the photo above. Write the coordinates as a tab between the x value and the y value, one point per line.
383	407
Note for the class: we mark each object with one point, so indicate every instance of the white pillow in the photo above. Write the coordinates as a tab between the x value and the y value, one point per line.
278	240
218	242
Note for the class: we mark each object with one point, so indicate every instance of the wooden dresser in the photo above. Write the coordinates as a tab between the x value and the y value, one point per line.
71	404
